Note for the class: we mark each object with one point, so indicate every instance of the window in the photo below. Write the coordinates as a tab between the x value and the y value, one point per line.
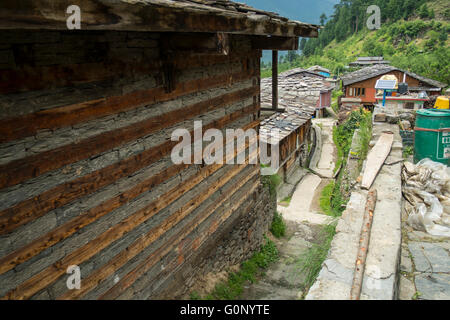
363	91
409	105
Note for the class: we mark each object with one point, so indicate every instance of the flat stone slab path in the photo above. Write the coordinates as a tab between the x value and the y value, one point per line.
424	267
284	280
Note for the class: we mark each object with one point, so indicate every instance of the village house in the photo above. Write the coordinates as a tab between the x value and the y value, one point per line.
291	131
298	88
359	88
368	61
86	177
320	70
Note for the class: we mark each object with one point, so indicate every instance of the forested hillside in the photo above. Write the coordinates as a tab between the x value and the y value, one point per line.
414	35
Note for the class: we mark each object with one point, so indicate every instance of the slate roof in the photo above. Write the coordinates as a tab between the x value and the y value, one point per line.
280	125
381	69
369	61
301	73
295	90
319	69
155	16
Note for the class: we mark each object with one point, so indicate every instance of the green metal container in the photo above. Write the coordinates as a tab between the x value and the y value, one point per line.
432	136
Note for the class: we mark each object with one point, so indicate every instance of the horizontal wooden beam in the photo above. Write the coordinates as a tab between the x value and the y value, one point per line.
274	43
155	16
274	110
28	210
197	43
56	235
156	256
26	168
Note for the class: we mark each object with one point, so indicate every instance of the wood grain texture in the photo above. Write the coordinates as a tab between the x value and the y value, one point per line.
154	16
50	274
27	211
139	245
30	124
30	167
158	254
376	158
54	236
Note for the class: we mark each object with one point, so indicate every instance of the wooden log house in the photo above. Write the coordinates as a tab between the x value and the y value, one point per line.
86	118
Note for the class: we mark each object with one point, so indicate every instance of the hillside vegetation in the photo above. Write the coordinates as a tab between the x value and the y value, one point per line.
414	38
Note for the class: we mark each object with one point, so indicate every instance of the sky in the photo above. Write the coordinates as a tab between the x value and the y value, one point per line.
308	11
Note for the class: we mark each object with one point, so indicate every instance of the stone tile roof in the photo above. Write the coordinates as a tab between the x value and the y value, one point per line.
280	125
155	15
300	92
380	69
319	69
369	61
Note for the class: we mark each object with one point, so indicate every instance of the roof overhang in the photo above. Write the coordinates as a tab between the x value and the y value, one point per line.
205	16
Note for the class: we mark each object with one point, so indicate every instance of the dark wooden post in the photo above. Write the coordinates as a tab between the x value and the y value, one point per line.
275	80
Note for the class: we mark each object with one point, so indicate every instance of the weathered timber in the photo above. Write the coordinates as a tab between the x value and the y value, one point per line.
38	78
274	80
33	166
119	260
137	272
376	158
197	43
41	280
360	264
25	253
29	210
274	43
23	126
155	16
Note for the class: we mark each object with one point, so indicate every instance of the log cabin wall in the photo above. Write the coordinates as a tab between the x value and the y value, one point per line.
85	171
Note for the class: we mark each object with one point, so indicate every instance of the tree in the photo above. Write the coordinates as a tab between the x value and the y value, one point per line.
302	44
291	55
423	11
323	19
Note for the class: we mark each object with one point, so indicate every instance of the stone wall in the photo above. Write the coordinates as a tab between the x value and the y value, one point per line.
86	176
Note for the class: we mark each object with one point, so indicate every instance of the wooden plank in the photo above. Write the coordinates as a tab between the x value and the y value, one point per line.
29	78
23	169
41	280
274	43
26	211
152	235
162	16
156	256
23	126
197	43
274	80
360	264
27	252
376	158
29	210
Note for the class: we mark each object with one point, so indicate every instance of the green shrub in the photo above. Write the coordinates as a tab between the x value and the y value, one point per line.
278	226
249	271
272	182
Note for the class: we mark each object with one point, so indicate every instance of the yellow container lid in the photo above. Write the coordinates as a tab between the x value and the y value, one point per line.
442	103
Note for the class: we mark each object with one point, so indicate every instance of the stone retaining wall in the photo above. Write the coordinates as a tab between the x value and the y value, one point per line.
380	280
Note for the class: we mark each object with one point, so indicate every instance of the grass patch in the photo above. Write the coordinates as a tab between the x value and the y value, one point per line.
272	182
278	227
325	199
310	263
408	151
250	270
342	138
285	202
